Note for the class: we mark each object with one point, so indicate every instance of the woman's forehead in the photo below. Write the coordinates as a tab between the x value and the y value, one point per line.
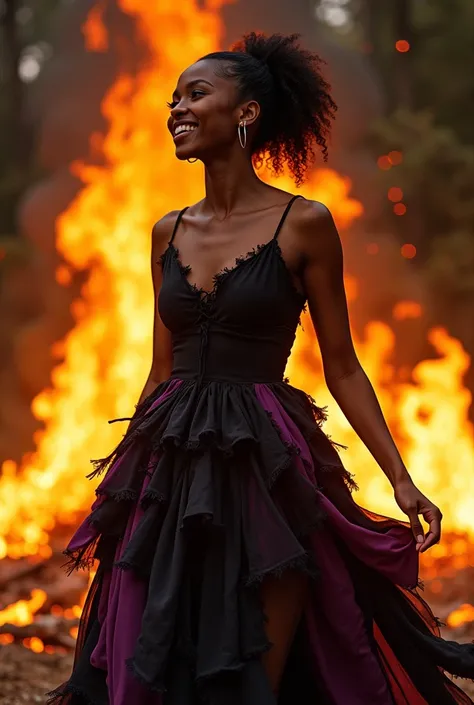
204	70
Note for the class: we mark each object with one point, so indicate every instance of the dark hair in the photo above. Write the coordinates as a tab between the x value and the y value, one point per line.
296	106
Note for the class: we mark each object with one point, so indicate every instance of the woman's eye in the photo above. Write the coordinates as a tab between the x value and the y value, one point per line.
194	94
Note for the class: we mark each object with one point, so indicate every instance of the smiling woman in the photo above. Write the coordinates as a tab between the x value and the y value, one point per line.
222	80
234	566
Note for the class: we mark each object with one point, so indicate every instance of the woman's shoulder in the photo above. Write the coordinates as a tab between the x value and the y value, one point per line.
313	228
162	233
163	228
309	213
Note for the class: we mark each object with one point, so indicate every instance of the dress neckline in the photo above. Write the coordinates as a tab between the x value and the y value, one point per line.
218	279
223	273
206	295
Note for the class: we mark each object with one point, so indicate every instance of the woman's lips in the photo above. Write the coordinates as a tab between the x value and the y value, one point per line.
183	134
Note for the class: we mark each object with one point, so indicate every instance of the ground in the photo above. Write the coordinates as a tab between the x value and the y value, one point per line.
25	677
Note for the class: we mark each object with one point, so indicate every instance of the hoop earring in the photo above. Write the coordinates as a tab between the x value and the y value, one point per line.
242	132
193	161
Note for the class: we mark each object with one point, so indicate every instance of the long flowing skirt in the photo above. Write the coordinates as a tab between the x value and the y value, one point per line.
212	489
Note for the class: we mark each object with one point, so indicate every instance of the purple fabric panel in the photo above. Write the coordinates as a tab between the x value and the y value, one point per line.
109	586
86	533
99	655
333	618
392	553
172	387
289	431
338	636
120	613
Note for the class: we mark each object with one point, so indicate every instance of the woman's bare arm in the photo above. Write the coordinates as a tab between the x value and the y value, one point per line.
162	356
346	380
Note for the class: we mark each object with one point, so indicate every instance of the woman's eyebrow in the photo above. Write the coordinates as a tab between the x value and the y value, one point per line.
193	83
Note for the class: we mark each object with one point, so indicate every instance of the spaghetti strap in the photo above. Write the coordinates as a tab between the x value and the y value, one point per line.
285	213
178	220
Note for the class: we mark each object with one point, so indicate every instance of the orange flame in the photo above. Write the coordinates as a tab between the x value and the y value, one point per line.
407	309
429	419
96	36
465	613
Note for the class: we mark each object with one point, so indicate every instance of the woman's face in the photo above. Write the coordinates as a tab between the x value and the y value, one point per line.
204	112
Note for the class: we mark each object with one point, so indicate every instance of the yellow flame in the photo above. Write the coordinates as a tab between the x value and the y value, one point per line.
22	612
107	230
429	419
463	614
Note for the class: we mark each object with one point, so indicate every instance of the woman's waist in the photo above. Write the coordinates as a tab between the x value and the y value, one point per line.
222	357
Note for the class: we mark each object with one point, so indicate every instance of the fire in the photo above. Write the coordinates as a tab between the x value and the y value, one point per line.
407	309
429	419
105	359
95	32
22	612
103	362
464	614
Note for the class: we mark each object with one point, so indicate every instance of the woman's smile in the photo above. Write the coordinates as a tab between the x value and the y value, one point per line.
182	129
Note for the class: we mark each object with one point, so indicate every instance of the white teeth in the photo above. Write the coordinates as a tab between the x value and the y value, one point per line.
184	128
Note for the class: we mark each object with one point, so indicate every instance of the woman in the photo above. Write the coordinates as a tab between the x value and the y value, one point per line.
235	568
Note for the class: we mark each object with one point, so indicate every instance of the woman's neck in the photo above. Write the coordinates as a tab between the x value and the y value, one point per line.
231	186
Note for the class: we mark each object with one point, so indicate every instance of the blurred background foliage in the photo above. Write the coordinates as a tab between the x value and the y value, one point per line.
25	32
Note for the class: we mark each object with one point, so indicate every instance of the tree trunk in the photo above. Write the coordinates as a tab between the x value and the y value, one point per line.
18	143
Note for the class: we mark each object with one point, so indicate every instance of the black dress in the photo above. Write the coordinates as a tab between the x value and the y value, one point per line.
224	477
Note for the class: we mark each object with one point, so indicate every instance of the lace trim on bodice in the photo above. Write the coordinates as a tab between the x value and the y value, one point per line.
221	276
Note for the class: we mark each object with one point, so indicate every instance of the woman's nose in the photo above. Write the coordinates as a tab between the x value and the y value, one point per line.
179	109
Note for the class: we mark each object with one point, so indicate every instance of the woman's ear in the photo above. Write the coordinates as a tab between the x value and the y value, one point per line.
249	112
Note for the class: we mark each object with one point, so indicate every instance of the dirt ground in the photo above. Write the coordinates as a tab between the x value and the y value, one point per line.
25	677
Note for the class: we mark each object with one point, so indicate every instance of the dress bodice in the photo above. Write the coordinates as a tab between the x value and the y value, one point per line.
240	331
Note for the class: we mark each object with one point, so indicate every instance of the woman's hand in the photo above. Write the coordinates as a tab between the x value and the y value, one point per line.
413	502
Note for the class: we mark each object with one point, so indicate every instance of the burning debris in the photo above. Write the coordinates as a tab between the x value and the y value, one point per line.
40	605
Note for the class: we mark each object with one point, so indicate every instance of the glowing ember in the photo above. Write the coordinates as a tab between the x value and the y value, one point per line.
395	158
401	209
407	309
402	46
395	193
34	644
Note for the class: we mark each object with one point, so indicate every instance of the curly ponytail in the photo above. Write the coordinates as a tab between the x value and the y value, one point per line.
295	101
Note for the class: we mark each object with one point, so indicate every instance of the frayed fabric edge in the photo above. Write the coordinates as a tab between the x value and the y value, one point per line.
302	563
55	697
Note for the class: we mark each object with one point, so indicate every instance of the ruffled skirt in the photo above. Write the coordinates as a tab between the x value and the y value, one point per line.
212	489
